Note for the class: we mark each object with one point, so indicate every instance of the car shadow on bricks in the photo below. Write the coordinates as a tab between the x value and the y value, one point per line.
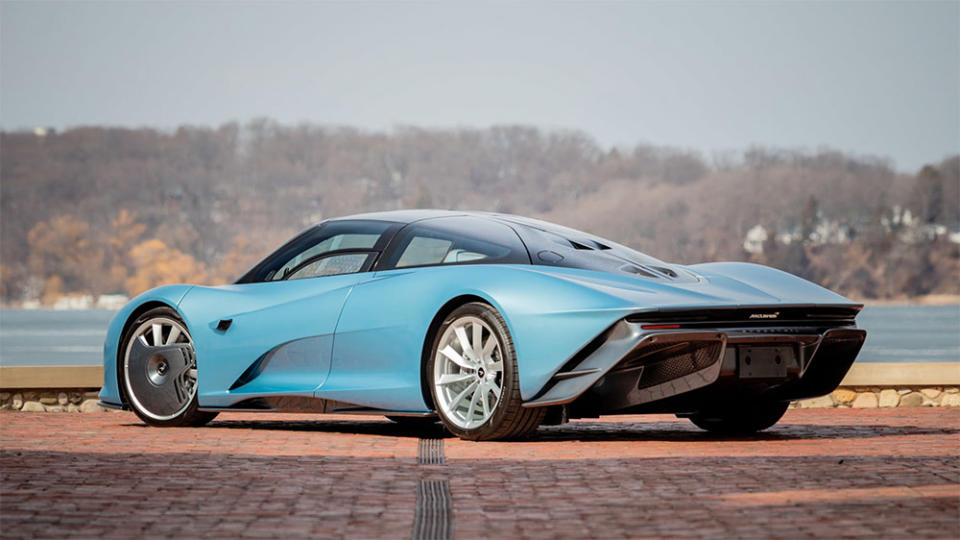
585	431
384	428
668	431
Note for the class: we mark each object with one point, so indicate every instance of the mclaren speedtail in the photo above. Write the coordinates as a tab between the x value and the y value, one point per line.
491	324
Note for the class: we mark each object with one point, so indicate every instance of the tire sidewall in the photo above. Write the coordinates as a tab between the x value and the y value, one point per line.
490	316
744	418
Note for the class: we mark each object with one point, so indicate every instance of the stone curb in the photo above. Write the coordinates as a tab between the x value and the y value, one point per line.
52	400
85	399
47	377
903	374
892	396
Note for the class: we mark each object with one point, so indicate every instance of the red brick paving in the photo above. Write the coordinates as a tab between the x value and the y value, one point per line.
821	472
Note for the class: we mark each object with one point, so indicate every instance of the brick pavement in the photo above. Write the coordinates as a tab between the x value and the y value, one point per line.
820	472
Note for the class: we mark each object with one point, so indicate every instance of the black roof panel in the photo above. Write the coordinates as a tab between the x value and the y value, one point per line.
552	244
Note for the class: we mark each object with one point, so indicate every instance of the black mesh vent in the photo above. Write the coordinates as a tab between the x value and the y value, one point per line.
668	361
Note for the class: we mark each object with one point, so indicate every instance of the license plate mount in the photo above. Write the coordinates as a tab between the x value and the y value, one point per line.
764	362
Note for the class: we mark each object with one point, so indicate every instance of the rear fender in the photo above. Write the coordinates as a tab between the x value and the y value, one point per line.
385	323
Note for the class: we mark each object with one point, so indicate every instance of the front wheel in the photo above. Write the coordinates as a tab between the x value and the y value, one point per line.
474	379
159	371
741	418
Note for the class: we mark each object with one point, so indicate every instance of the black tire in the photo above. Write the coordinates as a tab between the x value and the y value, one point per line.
415	422
741	419
190	416
508	419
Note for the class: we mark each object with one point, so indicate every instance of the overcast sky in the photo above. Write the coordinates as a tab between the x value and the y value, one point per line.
868	77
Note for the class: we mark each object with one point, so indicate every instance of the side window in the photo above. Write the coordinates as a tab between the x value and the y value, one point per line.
334	247
331	265
424	250
457	240
333	243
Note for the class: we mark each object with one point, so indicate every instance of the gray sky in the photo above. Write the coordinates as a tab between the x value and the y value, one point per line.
870	77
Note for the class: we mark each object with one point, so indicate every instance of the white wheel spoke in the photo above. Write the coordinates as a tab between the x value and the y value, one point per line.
460	397
450	378
473	404
174	334
477	342
157	335
464	341
455	357
495	366
495	389
489	346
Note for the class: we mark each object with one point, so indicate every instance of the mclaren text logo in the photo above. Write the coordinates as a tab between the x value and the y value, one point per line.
773	315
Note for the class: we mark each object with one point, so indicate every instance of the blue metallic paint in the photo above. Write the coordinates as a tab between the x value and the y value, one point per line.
377	351
264	316
359	338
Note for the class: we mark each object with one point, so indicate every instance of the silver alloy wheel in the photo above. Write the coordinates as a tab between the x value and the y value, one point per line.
468	372
160	368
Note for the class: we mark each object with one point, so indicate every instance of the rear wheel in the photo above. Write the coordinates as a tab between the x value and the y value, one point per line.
159	371
474	379
742	418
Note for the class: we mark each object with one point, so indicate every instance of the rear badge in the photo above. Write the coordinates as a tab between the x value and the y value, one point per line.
773	315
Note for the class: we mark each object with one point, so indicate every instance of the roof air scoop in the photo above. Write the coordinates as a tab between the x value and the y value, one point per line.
665	271
578	245
636	270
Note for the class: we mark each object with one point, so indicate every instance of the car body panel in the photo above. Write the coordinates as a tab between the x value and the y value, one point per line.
359	338
380	339
291	321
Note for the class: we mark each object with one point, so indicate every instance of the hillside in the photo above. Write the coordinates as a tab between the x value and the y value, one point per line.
102	210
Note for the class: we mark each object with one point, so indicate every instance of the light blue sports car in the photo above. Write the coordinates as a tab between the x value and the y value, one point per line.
495	324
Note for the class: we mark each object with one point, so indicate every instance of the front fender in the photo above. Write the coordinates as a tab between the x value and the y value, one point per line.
168	295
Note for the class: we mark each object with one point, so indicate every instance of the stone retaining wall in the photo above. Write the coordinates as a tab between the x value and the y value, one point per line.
46	400
85	399
866	397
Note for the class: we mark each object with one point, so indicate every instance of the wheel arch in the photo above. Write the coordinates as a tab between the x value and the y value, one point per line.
445	310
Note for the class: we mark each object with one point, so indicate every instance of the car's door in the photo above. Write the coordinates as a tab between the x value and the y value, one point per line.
272	333
380	335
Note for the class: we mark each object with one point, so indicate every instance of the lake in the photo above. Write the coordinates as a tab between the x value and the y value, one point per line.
75	338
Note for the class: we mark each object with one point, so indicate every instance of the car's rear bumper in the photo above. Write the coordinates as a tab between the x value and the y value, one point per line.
671	366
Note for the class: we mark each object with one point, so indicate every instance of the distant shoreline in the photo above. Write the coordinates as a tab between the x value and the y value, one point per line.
925	300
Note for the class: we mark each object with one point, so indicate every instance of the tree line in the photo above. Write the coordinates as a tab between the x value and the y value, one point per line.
98	210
